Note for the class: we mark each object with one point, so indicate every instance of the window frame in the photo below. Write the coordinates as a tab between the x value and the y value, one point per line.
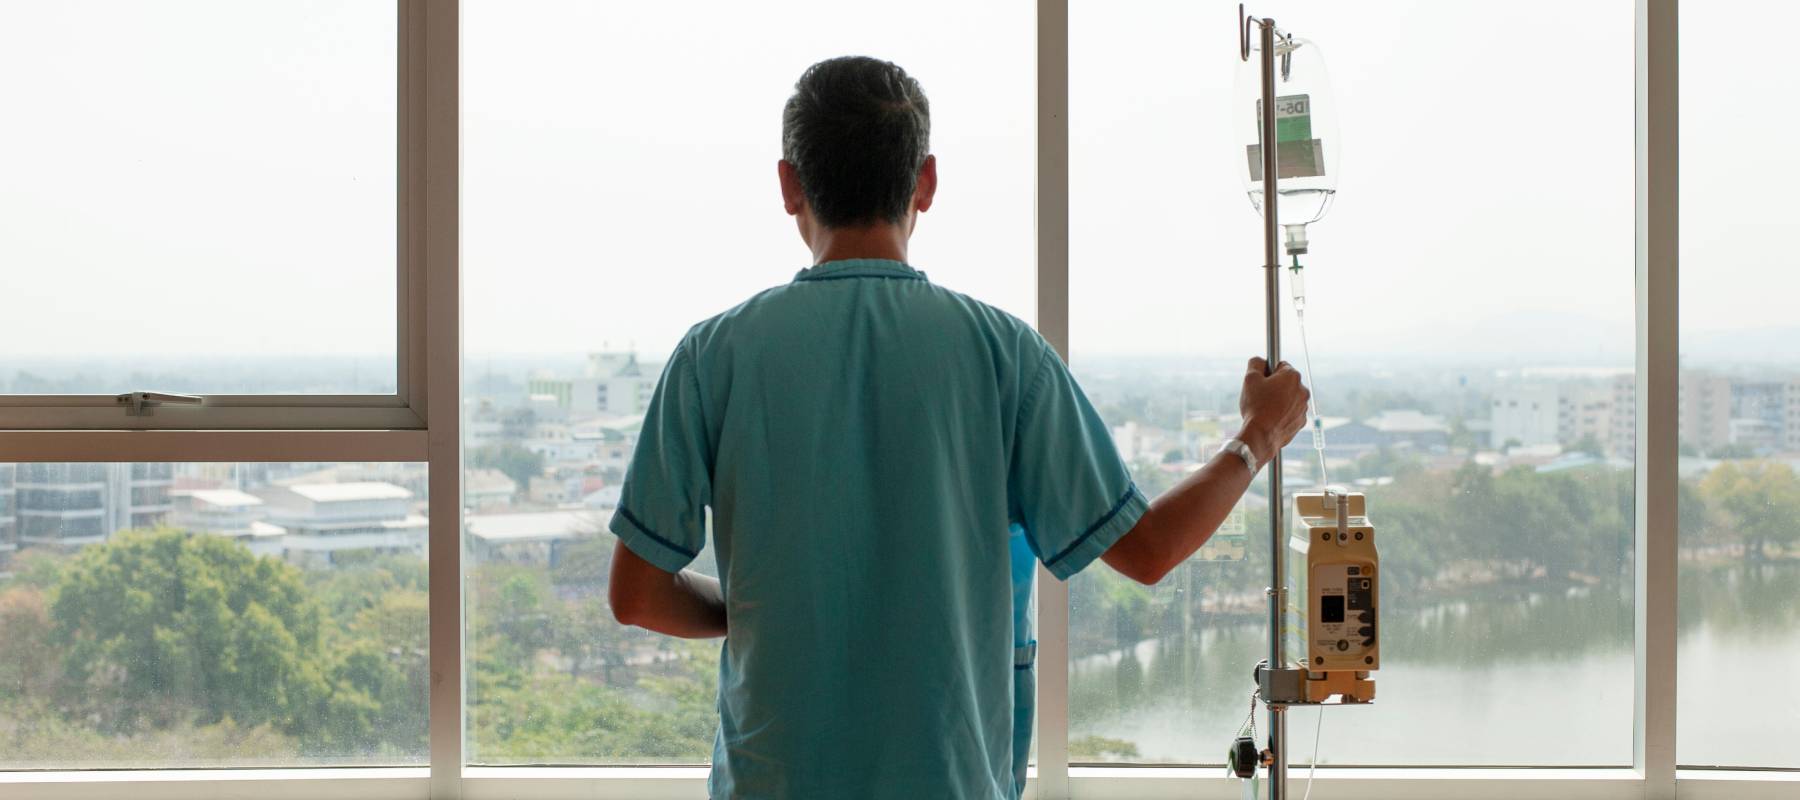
401	410
401	427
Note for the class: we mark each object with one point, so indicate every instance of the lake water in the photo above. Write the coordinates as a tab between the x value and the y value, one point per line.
1540	678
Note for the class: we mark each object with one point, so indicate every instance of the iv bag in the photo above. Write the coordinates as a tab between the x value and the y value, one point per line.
1306	140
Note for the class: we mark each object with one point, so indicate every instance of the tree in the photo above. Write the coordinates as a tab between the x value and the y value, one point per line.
511	458
1590	445
1756	502
25	655
163	627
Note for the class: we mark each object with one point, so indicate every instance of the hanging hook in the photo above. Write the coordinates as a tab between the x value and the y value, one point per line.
1244	23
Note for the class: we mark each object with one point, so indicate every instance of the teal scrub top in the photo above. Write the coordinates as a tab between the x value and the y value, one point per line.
866	442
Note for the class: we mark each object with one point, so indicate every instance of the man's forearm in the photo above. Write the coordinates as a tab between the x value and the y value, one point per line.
692	608
1181	520
685	603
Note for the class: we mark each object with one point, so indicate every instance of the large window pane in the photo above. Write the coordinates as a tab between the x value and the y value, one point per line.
212	615
1471	319
619	185
198	196
1740	393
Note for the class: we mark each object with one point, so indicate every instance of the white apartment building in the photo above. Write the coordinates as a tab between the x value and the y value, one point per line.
323	519
612	384
1526	415
230	513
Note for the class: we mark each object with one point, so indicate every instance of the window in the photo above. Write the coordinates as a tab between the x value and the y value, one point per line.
1740	497
1474	344
212	615
187	184
597	137
1503	515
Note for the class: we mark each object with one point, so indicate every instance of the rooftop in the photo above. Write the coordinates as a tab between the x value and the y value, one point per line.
1407	421
222	498
345	492
534	525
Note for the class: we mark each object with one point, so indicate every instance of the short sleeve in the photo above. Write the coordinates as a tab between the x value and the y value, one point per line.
1068	486
662	506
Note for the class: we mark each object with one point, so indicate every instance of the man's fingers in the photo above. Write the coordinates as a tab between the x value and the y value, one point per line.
1258	365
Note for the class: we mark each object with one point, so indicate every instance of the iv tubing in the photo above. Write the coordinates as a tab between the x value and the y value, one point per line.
1318	424
1313	768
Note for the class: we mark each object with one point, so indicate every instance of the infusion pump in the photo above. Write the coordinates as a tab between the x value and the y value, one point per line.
1334	596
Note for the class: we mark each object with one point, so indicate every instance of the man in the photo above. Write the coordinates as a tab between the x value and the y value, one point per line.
867	442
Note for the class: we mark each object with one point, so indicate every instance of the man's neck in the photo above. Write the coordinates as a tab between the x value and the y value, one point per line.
885	241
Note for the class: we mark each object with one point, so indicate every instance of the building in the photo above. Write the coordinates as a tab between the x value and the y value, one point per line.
9	516
1525	416
1704	408
229	513
536	537
1584	414
71	504
324	520
1621	438
485	488
613	383
1790	434
1399	427
1758	415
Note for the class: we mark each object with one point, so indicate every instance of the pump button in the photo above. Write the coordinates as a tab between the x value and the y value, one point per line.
1343	644
1366	631
1366	616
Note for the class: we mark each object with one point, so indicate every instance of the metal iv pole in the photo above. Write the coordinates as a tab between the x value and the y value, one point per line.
1277	590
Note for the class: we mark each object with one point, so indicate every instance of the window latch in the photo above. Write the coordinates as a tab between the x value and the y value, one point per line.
139	404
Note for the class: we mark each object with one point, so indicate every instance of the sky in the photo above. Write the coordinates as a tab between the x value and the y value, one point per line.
216	178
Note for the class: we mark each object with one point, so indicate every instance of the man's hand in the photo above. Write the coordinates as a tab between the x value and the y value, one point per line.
1274	407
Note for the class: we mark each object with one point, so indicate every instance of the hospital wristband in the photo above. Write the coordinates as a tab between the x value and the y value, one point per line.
1242	451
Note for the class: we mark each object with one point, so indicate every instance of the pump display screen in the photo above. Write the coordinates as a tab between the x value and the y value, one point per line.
1331	608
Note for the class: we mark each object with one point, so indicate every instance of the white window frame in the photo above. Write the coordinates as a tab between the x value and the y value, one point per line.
402	410
430	372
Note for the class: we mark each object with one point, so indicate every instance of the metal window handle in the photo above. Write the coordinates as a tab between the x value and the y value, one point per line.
139	404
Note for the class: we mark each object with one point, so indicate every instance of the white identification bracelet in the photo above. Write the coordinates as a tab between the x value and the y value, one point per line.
1243	451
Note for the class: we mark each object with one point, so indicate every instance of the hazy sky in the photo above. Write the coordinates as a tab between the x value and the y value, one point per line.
217	177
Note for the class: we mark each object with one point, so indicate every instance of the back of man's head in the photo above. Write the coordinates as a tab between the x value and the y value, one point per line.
857	131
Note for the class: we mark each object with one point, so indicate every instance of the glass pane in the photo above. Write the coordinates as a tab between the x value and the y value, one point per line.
1471	313
199	196
619	186
212	615
1740	393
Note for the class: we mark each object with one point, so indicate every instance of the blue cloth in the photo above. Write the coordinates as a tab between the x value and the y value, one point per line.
1024	575
864	440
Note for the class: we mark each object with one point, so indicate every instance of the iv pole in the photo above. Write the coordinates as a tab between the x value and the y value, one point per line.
1277	763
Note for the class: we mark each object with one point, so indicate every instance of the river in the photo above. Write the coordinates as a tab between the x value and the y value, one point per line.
1539	676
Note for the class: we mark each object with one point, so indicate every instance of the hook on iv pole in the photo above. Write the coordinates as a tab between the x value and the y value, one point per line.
1285	41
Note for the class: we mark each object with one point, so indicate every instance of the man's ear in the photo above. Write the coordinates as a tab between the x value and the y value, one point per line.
792	197
926	188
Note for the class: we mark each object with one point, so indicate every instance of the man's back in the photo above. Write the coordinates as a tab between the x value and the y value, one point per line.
864	438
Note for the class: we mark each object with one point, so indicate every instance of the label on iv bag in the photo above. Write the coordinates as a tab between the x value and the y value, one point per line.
1298	154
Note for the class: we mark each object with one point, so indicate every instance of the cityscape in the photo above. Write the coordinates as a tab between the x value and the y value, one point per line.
1507	488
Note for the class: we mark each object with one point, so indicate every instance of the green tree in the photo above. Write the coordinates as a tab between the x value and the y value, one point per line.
25	654
511	458
160	627
1755	502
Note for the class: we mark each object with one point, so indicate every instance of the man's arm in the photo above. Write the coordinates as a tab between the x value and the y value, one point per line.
1183	518
685	604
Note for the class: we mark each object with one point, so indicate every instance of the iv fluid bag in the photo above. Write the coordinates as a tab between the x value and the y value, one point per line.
1306	140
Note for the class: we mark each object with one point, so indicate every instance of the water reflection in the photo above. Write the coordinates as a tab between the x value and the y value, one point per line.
1487	678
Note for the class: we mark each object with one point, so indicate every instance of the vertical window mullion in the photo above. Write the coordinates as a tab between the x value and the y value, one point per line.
1053	322
430	180
1658	366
